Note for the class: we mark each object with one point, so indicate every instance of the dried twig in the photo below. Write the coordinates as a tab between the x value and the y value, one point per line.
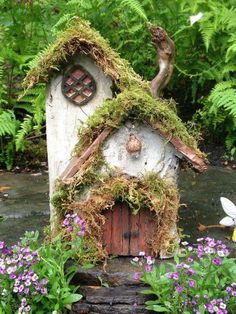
165	57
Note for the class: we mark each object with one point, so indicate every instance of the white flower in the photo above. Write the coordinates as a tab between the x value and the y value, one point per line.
184	243
195	18
141	253
230	220
230	209
4	292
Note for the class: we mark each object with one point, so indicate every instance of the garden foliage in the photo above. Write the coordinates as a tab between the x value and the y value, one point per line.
37	279
202	280
204	76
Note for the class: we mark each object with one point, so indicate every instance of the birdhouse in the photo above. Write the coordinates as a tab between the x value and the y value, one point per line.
114	144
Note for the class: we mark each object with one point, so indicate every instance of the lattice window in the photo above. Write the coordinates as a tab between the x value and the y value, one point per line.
78	85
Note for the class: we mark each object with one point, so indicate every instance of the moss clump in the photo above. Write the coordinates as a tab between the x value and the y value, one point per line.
138	105
79	37
150	193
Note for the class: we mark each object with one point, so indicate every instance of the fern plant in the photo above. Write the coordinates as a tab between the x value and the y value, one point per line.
222	103
35	98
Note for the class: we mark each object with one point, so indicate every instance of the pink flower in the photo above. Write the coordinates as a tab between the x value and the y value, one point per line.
136	276
216	261
148	268
179	289
190	271
191	283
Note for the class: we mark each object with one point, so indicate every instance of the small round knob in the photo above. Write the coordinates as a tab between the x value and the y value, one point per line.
133	146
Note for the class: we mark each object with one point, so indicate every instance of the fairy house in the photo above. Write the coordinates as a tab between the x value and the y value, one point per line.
113	145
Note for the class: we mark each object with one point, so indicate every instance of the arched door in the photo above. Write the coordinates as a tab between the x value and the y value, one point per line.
125	234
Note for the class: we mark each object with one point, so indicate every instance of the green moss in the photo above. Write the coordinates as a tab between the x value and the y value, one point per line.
139	105
79	37
59	196
149	193
134	100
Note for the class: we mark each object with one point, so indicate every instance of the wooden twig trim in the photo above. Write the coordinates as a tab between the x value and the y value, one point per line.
197	162
76	162
165	58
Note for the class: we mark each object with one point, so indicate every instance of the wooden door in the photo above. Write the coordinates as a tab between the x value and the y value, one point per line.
125	234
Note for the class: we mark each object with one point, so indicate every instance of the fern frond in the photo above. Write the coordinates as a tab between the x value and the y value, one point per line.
136	7
8	123
61	22
207	31
229	68
34	103
25	128
230	53
223	96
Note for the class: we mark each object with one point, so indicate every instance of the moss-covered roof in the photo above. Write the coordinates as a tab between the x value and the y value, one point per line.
134	97
81	37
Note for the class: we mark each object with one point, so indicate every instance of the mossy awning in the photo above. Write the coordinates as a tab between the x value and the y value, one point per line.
133	99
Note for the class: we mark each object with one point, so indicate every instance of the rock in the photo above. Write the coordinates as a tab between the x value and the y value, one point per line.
108	309
120	299
122	294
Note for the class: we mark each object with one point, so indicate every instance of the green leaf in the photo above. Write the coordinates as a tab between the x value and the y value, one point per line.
72	298
157	308
147	291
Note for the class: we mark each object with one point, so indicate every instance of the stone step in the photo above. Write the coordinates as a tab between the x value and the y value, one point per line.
117	272
117	300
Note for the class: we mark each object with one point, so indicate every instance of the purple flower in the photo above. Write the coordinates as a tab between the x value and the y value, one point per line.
44	281
2	244
148	268
136	275
216	261
26	291
12	276
66	222
81	233
44	291
190	271
174	276
149	259
229	289
179	289
20	288
200	255
70	229
191	283
77	220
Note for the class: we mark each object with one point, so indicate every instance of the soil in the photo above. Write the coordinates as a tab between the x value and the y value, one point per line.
216	155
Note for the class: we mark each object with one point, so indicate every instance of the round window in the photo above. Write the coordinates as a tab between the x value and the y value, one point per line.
78	85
